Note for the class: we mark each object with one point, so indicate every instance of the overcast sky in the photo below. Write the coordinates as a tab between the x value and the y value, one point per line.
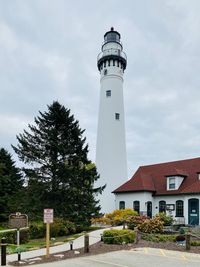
48	51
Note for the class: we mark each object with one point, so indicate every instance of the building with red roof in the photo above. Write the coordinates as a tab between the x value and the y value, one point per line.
172	187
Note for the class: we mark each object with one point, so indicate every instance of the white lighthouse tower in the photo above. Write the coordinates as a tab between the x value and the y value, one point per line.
111	144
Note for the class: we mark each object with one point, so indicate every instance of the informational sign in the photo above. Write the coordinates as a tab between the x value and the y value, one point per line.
48	219
18	220
48	215
170	207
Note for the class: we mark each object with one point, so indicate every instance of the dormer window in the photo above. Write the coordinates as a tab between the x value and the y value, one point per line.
172	184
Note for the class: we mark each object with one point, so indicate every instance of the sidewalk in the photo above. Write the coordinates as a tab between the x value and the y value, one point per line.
94	237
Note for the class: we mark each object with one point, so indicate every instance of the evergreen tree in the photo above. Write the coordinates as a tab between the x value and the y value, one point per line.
11	183
59	174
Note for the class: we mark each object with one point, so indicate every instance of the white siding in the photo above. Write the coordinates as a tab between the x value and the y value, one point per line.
170	200
111	142
143	197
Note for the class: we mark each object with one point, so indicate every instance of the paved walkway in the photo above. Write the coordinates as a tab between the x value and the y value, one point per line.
94	237
145	257
168	254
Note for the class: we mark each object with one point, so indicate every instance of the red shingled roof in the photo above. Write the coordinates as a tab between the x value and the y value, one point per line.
153	178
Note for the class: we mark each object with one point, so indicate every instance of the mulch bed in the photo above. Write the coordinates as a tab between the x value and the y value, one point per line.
100	248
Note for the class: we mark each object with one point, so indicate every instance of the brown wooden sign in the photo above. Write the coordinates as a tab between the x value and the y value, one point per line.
18	220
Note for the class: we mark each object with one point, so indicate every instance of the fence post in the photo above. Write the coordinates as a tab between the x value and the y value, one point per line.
3	251
187	242
71	245
101	235
86	243
136	235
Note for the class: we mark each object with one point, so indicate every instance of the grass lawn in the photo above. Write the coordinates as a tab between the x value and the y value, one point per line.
34	244
2	228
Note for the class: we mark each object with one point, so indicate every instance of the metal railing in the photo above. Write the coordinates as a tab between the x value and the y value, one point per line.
110	52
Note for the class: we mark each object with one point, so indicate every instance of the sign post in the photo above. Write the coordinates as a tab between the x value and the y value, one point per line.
48	219
18	220
47	239
18	245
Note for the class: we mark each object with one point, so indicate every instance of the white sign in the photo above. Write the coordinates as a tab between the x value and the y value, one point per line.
48	215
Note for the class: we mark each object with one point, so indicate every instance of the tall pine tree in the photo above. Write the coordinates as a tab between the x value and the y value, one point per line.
11	183
59	173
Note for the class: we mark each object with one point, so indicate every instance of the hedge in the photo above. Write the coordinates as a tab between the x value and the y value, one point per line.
158	237
118	236
60	227
195	243
11	236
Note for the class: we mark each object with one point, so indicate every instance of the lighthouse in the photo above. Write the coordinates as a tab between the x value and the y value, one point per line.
111	159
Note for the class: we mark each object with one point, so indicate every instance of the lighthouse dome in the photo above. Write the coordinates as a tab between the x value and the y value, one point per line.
112	36
112	49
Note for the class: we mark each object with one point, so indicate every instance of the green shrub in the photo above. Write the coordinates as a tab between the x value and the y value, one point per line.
59	227
167	220
11	236
84	228
37	230
158	237
135	221
150	226
118	236
195	243
62	227
176	227
117	217
181	231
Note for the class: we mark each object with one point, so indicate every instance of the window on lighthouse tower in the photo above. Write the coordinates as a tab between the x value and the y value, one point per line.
117	116
108	93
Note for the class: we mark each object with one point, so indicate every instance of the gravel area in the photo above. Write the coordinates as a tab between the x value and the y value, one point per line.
100	248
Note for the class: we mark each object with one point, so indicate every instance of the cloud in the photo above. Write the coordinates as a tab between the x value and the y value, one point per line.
48	51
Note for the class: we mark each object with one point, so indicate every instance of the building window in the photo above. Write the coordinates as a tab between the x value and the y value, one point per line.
136	206
117	116
149	209
172	183
179	208
162	206
108	93
122	205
